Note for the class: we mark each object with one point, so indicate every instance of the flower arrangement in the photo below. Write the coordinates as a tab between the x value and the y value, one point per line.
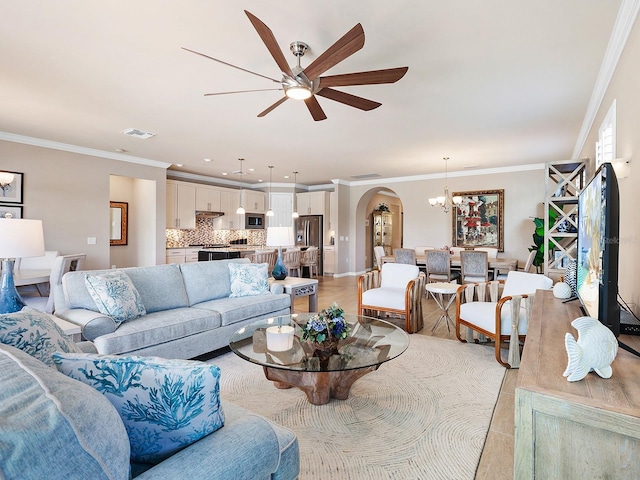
327	325
383	207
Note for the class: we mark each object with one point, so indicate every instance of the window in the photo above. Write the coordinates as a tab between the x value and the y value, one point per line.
606	144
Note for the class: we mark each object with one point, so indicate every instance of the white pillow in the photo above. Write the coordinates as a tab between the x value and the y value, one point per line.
115	295
248	279
164	404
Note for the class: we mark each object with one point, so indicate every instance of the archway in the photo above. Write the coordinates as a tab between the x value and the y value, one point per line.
371	200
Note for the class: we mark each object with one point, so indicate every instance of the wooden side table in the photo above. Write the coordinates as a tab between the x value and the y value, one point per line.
300	287
70	329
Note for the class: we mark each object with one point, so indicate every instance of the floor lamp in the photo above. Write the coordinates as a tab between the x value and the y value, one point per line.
18	238
279	237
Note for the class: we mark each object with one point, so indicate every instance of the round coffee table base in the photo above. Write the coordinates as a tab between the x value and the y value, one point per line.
319	387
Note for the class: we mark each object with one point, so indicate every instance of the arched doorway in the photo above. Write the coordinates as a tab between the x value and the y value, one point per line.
373	200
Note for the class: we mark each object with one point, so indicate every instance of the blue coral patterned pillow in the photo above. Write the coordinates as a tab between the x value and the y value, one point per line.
165	404
35	333
115	295
248	279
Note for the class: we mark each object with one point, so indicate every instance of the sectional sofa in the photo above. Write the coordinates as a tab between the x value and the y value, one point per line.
189	309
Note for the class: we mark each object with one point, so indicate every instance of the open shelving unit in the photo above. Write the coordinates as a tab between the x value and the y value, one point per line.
564	181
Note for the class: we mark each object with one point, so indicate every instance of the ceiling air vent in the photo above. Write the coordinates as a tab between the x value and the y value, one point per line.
134	132
365	176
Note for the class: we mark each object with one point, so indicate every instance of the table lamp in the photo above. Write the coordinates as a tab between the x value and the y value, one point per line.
18	238
279	237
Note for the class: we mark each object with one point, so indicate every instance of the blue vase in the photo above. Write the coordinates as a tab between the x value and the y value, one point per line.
279	270
10	300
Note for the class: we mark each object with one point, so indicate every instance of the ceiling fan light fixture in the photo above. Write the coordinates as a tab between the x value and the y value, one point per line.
297	92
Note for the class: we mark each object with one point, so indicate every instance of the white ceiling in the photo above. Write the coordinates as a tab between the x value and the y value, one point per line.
490	84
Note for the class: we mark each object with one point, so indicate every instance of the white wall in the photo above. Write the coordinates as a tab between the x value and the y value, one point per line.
69	192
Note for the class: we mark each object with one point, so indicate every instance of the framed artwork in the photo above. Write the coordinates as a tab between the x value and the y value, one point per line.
7	211
479	220
11	191
118	217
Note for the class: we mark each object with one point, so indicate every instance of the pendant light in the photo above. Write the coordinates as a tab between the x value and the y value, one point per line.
240	210
445	201
295	210
270	212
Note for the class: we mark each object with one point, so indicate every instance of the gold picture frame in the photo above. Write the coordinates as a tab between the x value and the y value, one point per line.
118	223
479	220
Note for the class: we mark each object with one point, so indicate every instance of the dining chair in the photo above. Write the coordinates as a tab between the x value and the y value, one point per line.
501	318
492	252
378	251
264	256
420	250
292	260
527	266
309	259
474	266
397	289
61	265
438	264
405	255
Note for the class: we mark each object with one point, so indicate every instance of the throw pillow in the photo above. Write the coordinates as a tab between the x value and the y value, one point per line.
248	279
115	295
35	333
165	404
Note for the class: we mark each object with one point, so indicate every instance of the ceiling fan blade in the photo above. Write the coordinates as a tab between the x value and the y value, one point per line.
270	42
278	103
230	65
348	99
315	109
242	91
350	43
389	75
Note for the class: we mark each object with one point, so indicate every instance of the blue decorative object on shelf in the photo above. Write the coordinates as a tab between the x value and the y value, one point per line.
280	271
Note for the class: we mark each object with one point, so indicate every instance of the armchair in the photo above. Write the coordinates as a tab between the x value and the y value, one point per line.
396	289
503	318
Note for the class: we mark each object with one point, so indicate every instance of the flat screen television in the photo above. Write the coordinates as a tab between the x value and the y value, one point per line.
598	242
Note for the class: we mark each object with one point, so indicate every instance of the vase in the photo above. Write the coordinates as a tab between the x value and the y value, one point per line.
323	351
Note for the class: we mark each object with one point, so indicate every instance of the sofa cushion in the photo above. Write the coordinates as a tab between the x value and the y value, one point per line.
35	333
160	287
52	425
233	310
164	404
248	280
114	295
157	328
208	280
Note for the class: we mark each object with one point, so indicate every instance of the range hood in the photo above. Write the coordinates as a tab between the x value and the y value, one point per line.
207	214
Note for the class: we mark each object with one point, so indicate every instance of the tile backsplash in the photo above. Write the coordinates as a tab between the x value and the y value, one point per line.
204	233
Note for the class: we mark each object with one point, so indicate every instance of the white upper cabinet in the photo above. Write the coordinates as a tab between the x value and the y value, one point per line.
208	199
313	203
254	202
181	205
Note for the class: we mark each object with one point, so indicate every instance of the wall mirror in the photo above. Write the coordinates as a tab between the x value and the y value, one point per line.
118	221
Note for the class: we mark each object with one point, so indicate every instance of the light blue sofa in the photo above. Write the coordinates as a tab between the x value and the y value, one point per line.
189	312
57	427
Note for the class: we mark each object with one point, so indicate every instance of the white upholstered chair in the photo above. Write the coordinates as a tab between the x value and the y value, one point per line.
378	251
396	289
527	266
481	309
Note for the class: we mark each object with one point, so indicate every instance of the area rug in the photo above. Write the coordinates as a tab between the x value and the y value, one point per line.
423	415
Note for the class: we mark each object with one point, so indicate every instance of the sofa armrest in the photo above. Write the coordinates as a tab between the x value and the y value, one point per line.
93	324
245	448
276	288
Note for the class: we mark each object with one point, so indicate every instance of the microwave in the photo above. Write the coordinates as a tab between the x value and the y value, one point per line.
253	221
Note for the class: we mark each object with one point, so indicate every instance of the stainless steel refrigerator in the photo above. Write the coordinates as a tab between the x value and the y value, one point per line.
310	232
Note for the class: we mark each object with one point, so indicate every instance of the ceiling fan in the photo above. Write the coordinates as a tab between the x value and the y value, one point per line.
305	83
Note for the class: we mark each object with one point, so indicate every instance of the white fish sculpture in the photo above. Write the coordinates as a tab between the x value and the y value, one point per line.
595	349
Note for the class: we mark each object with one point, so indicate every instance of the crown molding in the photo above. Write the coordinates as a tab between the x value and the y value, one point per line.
66	147
622	27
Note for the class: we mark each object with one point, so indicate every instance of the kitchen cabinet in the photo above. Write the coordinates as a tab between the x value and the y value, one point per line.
191	255
329	263
181	205
313	203
175	255
254	202
229	203
208	199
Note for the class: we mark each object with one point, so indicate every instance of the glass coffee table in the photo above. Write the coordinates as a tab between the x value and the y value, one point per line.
370	343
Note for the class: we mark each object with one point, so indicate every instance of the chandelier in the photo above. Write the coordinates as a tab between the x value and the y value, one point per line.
445	201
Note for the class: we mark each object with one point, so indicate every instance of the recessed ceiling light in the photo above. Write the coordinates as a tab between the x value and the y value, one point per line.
287	176
207	159
260	180
225	174
252	169
179	165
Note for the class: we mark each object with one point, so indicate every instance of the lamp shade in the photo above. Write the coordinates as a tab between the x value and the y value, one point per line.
279	236
21	238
